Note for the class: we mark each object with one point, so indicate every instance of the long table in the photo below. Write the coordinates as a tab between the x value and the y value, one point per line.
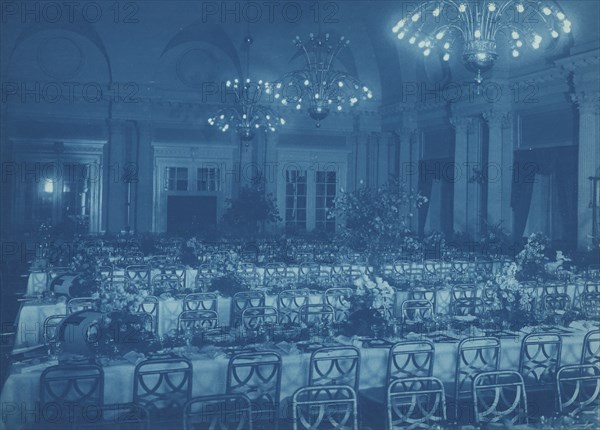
20	395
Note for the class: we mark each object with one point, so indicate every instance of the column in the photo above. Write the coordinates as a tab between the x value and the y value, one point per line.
116	190
589	161
461	157
383	165
494	169
361	159
144	203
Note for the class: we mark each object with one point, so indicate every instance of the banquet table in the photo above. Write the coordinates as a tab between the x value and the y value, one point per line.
30	320
20	394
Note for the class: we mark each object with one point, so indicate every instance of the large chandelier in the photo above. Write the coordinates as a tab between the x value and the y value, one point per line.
438	26
319	85
247	115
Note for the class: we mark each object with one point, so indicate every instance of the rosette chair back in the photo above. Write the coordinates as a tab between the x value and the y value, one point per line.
200	301
139	275
257	376
325	407
475	355
289	303
337	365
579	390
590	353
220	412
339	299
197	321
539	361
243	300
257	316
66	391
415	403
163	385
500	397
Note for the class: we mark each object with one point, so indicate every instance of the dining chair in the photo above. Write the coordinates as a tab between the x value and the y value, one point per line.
415	403
590	305
218	412
106	272
590	352
337	365
475	355
257	316
539	361
81	304
117	416
163	385
467	306
414	313
177	270
51	329
325	407
200	301
166	283
289	303
500	397
314	314
428	293
258	376
149	306
578	390
67	390
556	302
197	321
139	275
243	300
339	299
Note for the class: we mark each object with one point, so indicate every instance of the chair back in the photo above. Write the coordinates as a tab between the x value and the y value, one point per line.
414	403
200	301
540	359
70	389
557	302
197	321
325	407
244	300
222	412
289	303
475	355
416	311
139	275
339	299
51	329
258	376
410	359
590	353
336	365
163	385
257	316
500	397
166	283
314	314
590	304
578	389
149	306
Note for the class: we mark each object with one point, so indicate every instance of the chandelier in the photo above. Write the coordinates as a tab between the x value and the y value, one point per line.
319	85
247	115
439	25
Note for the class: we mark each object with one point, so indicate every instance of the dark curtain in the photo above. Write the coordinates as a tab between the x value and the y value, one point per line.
559	161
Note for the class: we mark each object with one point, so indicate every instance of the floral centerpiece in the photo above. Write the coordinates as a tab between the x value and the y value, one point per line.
513	303
371	305
532	259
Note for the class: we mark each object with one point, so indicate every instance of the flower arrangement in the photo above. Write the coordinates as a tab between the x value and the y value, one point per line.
532	259
514	303
119	297
371	304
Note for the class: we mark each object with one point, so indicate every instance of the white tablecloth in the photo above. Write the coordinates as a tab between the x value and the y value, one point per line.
21	390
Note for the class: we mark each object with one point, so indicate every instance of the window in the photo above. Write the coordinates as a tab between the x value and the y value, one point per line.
295	200
209	179
177	178
326	184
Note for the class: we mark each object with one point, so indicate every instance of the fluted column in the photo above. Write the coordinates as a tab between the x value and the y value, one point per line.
145	178
495	168
589	160
461	157
116	190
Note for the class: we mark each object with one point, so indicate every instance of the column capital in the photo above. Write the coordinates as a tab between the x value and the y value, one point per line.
587	101
461	123
497	118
